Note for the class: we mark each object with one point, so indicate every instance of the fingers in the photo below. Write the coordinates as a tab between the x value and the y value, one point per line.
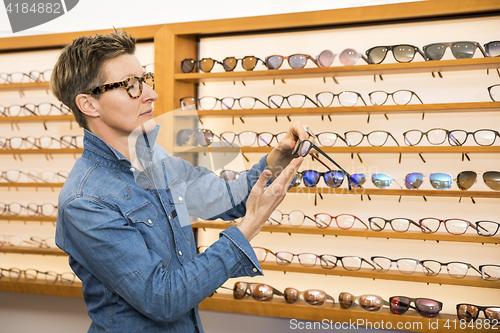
259	185
286	177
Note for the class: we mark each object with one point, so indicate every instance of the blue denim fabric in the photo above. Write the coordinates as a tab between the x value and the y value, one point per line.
128	236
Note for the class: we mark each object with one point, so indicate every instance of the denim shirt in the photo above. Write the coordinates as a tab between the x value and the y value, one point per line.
129	238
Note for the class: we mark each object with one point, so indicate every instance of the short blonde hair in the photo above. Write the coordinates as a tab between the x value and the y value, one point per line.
79	66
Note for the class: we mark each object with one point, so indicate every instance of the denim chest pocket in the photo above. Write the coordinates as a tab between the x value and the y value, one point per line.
145	219
145	214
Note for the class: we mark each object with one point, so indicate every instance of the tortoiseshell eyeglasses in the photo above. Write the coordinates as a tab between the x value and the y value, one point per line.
133	85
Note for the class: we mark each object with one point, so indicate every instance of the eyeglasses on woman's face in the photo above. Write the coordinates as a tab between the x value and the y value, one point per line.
133	85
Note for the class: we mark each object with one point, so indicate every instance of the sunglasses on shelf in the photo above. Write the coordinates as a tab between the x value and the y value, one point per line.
205	65
314	297
259	291
426	307
401	53
443	181
470	312
460	50
298	60
492	49
198	137
370	303
248	63
348	57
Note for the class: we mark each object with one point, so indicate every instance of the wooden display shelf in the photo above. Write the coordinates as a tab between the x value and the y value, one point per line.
36	118
376	191
25	218
339	71
32	184
333	231
357	149
354	110
410	321
24	86
41	288
32	250
393	275
41	151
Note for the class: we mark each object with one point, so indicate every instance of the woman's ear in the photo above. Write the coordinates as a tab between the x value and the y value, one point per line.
87	104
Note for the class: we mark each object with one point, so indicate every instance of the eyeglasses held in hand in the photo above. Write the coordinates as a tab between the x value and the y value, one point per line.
298	60
460	50
346	98
295	218
482	137
494	92
349	263
343	221
259	291
399	97
133	85
227	103
398	224
456	269
314	297
487	228
375	138
370	303
435	136
401	52
404	265
304	147
294	100
425	307
470	312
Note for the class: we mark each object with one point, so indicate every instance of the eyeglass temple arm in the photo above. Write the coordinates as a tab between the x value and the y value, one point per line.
414	223
309	98
331	160
277	292
369	263
263	102
357	218
482	50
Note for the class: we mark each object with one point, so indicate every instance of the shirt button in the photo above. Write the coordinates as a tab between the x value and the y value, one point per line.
180	253
132	169
254	270
180	198
150	222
